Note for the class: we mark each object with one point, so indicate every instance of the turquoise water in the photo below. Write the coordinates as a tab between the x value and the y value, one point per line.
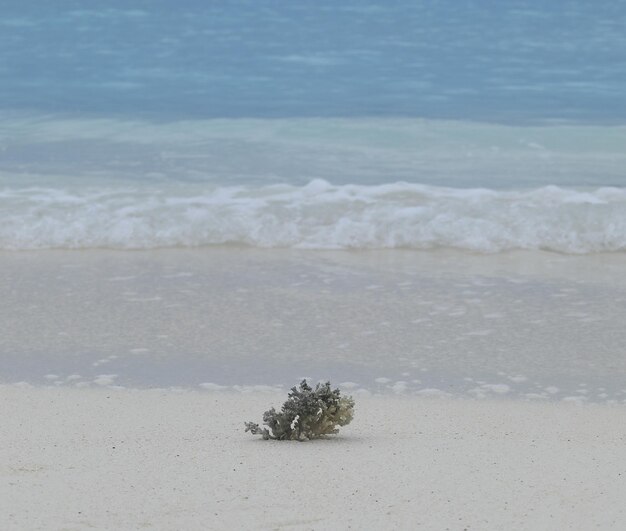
480	125
394	128
484	60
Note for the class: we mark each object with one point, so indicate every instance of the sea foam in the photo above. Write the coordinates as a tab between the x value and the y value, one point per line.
318	215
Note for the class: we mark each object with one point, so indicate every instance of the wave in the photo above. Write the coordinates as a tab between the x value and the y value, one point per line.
318	215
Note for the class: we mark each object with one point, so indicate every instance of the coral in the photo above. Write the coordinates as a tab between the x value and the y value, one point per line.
307	414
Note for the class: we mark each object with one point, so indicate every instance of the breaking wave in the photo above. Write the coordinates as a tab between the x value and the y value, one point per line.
318	215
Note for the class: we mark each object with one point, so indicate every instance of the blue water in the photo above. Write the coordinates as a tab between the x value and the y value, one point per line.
485	60
483	125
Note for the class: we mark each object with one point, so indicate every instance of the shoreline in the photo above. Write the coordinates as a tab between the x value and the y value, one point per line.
527	349
535	326
126	459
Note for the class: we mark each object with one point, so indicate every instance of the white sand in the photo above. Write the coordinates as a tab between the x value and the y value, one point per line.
124	459
525	326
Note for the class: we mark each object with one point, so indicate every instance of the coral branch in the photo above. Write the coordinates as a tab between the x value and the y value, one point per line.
307	414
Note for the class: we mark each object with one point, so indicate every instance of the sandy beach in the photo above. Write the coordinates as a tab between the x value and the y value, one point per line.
152	459
489	390
203	204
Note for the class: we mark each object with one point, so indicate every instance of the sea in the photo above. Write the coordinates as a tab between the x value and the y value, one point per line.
361	128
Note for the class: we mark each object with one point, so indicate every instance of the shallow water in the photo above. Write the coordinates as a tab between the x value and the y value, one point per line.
161	126
241	139
529	325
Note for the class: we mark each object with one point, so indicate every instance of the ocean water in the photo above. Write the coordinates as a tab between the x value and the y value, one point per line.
479	125
483	60
423	197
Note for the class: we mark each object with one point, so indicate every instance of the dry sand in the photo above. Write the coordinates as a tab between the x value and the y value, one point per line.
152	459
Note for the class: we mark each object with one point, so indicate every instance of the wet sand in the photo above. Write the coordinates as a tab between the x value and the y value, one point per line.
534	326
